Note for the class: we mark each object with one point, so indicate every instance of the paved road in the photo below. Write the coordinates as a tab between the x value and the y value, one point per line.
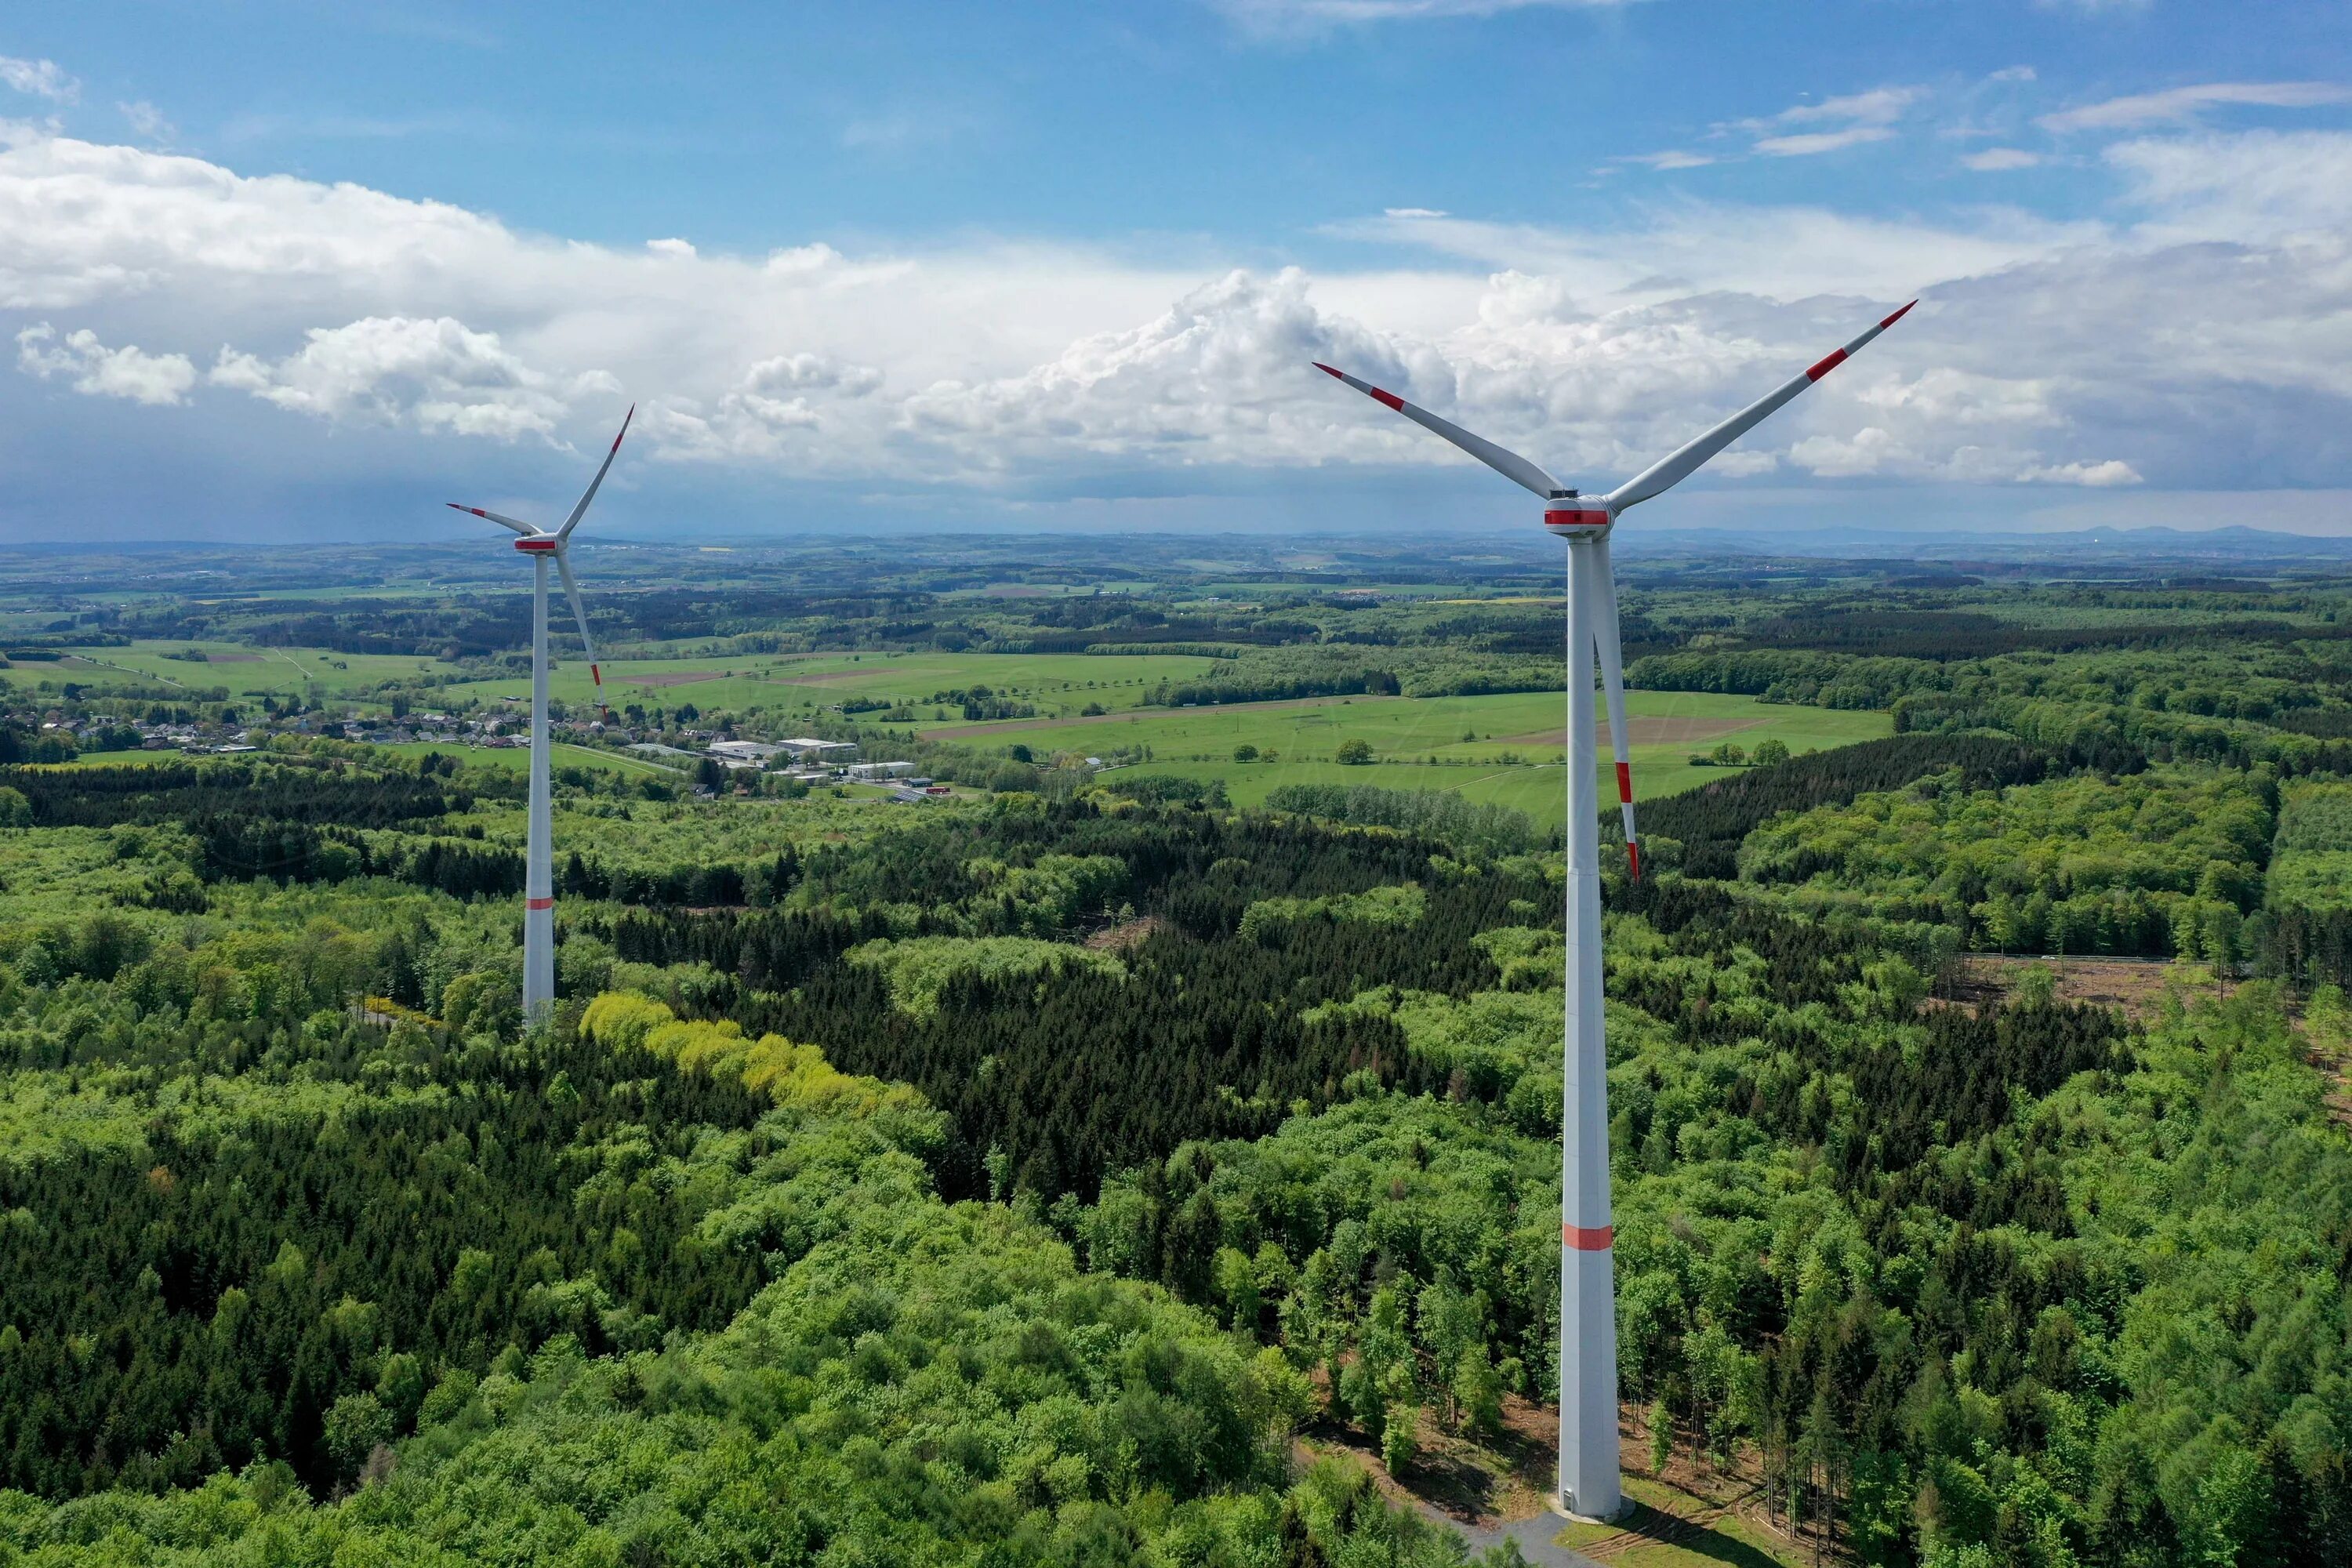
1534	1537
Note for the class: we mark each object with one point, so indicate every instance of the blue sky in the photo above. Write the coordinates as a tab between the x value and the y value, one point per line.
275	267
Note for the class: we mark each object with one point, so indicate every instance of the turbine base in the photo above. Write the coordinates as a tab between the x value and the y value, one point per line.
1568	1510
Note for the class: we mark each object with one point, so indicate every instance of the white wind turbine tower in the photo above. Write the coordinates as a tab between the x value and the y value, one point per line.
1588	1308
539	872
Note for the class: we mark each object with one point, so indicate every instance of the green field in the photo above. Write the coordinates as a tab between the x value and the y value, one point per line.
1513	760
1056	682
141	758
281	671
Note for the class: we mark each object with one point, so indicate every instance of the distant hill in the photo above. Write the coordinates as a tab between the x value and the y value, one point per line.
2141	546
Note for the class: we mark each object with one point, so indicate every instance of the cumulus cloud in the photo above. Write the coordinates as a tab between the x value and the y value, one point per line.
2201	335
38	79
1876	451
2181	105
102	372
436	374
2097	476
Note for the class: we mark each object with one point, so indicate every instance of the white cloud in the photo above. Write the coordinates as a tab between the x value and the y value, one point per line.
682	249
38	79
1855	119
1806	144
1999	159
102	372
1279	17
1879	106
1785	252
1672	158
147	122
436	374
2181	105
1876	452
2096	476
2257	187
2205	340
807	372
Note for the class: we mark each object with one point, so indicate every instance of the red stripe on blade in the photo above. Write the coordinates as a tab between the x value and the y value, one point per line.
1897	317
1326	370
1825	366
596	675
1633	857
1626	783
1584	1240
1391	398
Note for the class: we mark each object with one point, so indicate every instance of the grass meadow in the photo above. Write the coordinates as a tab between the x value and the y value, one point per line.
1505	750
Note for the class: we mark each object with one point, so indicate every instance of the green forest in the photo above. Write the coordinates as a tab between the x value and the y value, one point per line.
1081	1169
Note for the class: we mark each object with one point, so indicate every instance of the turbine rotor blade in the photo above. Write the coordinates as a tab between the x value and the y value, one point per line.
590	493
1679	465
1503	461
524	527
580	614
1612	685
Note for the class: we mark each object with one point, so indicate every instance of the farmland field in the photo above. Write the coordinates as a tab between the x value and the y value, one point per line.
1056	682
1420	742
284	671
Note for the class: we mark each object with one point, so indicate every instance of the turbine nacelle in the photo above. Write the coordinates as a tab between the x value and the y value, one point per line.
539	545
1569	516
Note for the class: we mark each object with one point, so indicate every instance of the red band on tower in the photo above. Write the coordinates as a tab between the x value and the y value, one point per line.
1584	1240
539	903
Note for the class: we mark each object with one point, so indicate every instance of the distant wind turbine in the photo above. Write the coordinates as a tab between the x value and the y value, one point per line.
539	870
1588	1307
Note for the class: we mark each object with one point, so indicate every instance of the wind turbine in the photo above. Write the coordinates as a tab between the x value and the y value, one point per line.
538	869
1588	1307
